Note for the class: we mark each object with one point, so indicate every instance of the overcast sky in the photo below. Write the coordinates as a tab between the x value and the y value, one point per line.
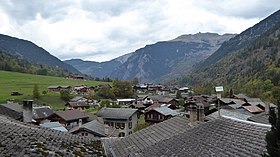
100	30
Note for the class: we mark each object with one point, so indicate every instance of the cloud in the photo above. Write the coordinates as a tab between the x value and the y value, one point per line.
101	30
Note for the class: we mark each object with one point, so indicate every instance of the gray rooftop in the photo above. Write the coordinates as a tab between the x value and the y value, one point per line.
219	138
54	125
10	113
21	139
116	113
69	115
229	113
166	111
94	127
147	137
260	118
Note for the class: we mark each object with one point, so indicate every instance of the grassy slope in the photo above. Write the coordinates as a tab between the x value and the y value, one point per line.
24	83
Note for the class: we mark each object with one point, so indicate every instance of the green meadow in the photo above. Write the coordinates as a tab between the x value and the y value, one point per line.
24	83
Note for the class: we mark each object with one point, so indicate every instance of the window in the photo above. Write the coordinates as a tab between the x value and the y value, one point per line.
112	124
130	125
122	134
86	134
122	125
130	132
83	134
117	125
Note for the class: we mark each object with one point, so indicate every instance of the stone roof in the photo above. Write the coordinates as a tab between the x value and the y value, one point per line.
165	111
94	127
161	99
260	118
241	96
221	137
229	113
147	137
54	125
10	113
21	139
41	112
68	115
77	104
116	113
14	106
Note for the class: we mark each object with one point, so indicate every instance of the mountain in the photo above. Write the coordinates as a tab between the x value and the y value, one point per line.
96	69
253	68
32	52
17	64
242	40
167	59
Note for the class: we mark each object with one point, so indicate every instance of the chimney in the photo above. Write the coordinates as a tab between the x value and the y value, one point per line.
192	109
200	109
266	108
80	122
27	110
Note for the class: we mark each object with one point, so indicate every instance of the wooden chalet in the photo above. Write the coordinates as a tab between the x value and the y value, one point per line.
58	88
69	118
159	114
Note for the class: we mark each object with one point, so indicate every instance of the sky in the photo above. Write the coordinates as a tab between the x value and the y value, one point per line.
101	30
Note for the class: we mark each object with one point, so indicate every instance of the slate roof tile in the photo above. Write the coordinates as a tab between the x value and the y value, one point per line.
248	144
22	139
149	136
116	113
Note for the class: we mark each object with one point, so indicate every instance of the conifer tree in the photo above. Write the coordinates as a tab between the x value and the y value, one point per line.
273	136
36	93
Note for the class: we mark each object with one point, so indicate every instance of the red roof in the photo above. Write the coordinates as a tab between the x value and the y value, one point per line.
253	109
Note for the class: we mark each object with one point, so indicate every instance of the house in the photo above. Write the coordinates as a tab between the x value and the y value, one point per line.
219	137
138	105
159	114
58	88
76	77
123	119
242	97
78	98
95	129
22	139
164	100
79	105
41	113
83	89
207	106
147	101
69	118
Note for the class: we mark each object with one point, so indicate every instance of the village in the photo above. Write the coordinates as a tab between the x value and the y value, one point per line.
134	125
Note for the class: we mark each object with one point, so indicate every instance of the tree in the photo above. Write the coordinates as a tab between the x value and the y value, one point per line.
65	94
36	93
178	94
273	136
122	88
90	95
106	92
135	81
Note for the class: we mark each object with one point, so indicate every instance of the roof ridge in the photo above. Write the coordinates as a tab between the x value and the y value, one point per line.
248	122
